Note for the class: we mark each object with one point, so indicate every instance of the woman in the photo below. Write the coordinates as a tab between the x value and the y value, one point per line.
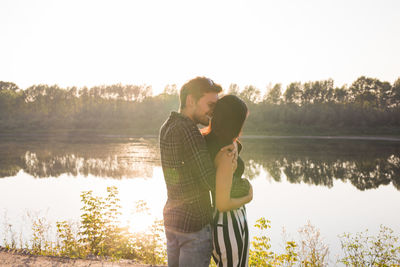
230	230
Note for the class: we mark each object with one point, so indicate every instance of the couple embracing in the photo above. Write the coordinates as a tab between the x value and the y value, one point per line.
205	213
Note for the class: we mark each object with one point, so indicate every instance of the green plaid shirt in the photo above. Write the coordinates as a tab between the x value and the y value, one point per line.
189	175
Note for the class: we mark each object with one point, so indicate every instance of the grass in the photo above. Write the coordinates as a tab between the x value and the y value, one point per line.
99	234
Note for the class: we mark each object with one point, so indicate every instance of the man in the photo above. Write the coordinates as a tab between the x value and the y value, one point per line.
189	175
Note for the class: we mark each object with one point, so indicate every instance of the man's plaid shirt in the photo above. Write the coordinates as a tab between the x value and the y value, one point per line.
189	175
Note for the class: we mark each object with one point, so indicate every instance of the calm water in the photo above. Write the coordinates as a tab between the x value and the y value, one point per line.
338	185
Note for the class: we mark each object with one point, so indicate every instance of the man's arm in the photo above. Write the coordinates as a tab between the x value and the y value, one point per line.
197	154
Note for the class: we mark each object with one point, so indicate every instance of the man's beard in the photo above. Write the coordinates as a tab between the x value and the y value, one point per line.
203	120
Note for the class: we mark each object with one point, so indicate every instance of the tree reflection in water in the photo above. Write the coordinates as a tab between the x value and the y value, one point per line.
115	160
365	164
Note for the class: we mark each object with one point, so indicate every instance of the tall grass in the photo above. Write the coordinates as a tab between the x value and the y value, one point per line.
99	234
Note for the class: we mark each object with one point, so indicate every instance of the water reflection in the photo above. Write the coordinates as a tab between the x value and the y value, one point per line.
365	164
122	160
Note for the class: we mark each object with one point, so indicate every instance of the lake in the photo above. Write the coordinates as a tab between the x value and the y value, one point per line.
338	185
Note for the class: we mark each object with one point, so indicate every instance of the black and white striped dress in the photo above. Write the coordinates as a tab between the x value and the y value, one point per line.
231	238
230	230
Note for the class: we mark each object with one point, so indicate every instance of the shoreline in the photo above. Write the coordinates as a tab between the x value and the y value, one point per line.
82	135
333	137
15	257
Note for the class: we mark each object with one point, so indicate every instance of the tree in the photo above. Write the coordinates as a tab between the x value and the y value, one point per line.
395	94
307	95
273	96
340	95
8	86
145	92
293	93
384	95
317	92
8	99
233	89
365	92
170	89
324	91
250	94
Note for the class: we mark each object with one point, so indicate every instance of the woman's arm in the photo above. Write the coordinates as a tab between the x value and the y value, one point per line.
225	169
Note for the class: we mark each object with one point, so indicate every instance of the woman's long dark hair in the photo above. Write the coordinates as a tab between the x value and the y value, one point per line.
228	118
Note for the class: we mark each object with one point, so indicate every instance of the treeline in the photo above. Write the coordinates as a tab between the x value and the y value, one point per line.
368	105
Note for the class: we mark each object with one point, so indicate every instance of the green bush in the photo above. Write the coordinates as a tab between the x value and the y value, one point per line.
261	254
362	249
99	233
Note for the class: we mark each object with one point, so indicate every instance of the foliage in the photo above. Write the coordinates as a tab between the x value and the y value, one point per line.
366	104
98	234
40	243
313	252
150	246
9	236
68	244
81	240
261	254
362	249
273	95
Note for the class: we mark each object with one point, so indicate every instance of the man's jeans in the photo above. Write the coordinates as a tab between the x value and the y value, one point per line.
189	249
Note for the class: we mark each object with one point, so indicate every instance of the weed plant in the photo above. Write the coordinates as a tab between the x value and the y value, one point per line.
99	234
363	249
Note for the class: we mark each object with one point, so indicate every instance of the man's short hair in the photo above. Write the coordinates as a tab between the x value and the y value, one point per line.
197	87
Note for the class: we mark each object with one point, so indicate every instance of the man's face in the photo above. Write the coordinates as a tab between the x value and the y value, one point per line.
204	108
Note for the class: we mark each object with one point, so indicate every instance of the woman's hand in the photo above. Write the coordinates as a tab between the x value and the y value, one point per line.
236	155
234	164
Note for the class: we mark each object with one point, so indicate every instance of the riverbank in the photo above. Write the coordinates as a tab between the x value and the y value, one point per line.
284	131
100	136
9	258
367	138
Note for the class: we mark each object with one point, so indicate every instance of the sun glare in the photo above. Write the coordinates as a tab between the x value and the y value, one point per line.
142	201
140	222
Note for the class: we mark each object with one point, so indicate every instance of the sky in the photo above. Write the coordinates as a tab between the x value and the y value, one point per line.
159	42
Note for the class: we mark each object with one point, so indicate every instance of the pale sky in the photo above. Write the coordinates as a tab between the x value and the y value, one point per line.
164	42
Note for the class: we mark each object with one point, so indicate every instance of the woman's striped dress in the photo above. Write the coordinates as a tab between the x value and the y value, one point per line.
230	230
231	238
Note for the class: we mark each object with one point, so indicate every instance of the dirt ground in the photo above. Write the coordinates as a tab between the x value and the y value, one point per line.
9	258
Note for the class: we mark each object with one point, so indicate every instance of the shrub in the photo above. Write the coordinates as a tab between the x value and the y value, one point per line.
261	254
362	249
